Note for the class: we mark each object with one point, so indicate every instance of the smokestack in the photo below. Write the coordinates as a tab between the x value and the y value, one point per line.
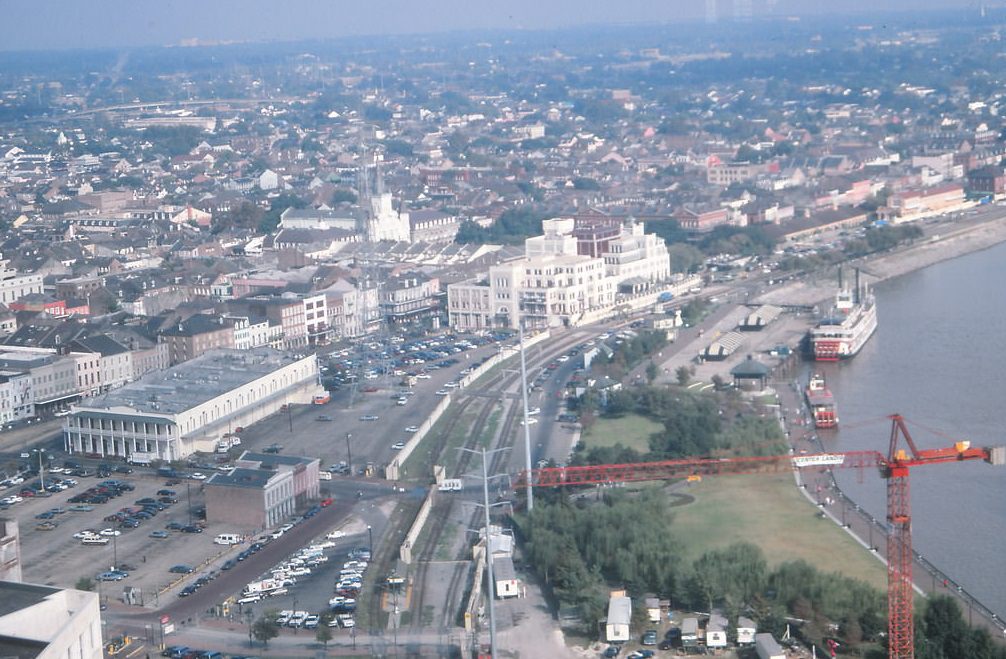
840	282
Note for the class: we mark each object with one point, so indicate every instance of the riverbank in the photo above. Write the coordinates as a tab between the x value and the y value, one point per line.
942	242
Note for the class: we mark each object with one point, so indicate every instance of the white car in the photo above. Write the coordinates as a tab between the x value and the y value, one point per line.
423	376
85	534
110	532
11	500
398	446
412	429
197	476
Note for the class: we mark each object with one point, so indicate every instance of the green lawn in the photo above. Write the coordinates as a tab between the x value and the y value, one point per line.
769	511
631	431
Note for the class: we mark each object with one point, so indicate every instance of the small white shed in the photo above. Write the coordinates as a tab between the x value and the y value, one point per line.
507	583
716	631
616	627
746	630
767	648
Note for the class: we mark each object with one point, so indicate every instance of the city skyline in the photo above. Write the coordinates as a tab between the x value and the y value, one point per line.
118	24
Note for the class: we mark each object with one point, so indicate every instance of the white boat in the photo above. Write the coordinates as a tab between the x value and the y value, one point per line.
847	327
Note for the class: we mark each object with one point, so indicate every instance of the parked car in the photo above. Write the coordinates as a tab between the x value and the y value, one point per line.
180	569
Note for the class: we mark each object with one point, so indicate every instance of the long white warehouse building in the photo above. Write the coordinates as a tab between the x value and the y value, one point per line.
170	414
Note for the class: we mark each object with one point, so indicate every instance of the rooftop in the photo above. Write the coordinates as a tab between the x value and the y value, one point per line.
192	383
255	479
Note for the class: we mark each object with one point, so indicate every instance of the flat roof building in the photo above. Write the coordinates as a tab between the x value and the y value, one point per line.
306	483
250	499
10	550
170	414
40	622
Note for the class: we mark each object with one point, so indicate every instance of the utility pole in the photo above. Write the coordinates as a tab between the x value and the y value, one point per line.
491	582
41	470
349	454
527	424
490	595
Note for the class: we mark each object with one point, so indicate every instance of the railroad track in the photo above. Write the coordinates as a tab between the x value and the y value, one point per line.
442	512
487	395
384	557
454	596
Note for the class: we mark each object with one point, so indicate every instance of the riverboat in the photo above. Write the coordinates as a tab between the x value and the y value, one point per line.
821	403
846	328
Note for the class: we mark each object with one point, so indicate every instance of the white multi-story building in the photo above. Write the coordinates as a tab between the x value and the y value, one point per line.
316	318
637	255
567	275
49	623
188	407
353	308
16	399
252	332
13	286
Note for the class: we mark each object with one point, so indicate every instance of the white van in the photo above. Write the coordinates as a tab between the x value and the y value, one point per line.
94	540
324	475
227	539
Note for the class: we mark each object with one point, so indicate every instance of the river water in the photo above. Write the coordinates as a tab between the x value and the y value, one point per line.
939	359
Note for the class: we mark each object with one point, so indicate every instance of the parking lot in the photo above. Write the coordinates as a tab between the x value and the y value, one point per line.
370	413
52	555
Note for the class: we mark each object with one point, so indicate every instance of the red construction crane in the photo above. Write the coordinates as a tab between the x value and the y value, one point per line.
894	467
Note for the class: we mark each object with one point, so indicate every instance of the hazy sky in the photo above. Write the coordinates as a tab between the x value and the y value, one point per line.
56	24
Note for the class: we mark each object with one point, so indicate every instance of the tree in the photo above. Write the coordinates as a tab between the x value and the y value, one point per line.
271	219
324	634
341	195
651	372
684	375
84	583
265	628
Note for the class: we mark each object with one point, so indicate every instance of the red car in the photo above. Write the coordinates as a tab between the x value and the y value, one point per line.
326	502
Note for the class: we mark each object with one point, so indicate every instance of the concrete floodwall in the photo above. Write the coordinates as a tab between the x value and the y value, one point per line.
474	607
405	551
393	471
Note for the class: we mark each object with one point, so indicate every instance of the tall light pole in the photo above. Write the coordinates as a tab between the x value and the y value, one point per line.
527	424
349	453
490	595
491	585
370	535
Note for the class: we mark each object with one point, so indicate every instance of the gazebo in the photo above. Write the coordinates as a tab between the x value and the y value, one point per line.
750	370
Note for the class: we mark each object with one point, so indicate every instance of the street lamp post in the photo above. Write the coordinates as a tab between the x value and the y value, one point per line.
248	616
370	535
349	453
527	423
115	548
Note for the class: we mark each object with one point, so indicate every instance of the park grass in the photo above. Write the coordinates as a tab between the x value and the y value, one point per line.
631	430
769	511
